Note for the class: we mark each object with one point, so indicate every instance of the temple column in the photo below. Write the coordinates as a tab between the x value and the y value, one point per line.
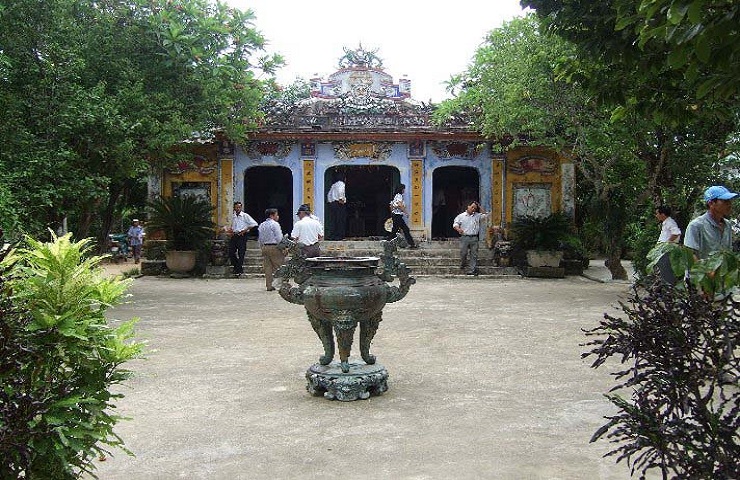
498	192
309	184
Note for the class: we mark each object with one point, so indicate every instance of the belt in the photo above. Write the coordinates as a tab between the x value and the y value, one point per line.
473	235
268	244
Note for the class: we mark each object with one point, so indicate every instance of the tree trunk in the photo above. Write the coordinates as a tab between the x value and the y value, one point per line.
614	263
106	221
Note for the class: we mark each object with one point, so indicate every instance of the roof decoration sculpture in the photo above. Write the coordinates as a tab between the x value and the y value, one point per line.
358	96
360	58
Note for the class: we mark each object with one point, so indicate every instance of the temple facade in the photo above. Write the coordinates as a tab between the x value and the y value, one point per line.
359	122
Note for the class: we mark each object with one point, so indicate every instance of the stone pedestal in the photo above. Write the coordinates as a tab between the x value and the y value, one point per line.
359	383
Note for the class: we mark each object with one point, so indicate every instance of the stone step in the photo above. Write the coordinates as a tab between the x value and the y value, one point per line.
432	258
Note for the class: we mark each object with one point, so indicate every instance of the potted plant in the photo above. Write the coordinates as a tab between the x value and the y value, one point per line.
187	225
541	239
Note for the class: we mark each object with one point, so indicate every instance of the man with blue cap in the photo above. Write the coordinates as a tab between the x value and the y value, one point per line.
712	231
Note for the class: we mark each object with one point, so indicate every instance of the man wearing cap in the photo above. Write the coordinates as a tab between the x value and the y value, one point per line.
135	238
712	231
307	231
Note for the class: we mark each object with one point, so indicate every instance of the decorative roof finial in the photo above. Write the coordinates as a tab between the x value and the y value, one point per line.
360	58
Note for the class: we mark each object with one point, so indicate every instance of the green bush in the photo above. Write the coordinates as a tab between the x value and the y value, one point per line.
59	359
545	233
642	236
186	221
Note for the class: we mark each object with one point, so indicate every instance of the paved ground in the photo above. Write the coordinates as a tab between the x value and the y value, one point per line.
486	381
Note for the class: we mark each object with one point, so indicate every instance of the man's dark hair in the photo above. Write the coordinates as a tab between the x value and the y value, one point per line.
237	203
270	212
399	189
664	209
477	206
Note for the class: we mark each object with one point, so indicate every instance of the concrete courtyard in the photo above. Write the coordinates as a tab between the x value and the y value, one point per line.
486	381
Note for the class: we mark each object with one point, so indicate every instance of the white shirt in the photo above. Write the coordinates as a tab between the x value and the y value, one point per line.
269	232
396	204
241	222
336	192
668	228
307	231
470	224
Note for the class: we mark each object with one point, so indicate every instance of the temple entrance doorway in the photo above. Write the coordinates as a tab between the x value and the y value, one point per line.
269	187
369	190
453	188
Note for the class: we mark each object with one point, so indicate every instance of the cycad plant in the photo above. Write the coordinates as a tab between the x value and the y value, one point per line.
186	221
541	233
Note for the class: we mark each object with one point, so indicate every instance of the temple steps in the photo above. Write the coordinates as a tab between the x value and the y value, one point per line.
432	258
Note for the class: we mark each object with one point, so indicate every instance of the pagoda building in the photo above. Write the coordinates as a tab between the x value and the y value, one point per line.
361	123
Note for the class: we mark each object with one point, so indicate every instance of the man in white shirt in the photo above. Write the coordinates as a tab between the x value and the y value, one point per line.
669	232
337	209
241	224
467	224
307	231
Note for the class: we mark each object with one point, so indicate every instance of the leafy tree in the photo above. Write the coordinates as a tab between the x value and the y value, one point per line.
513	91
59	358
97	92
668	59
529	85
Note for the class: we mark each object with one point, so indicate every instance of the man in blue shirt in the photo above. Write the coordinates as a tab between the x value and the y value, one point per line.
711	232
270	235
135	236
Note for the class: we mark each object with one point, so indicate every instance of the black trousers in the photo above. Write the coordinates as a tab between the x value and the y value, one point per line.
400	224
337	220
237	251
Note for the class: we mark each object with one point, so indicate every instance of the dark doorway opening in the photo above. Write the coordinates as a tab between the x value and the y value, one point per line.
453	188
369	190
269	187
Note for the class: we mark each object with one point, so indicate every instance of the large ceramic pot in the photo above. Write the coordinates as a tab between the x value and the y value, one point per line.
341	292
180	261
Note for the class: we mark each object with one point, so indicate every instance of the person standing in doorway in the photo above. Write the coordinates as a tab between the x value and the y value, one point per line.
337	209
308	232
241	224
467	224
135	238
398	210
669	233
270	235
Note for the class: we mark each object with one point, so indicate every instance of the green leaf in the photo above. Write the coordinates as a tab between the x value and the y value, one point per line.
677	58
676	13
704	48
695	11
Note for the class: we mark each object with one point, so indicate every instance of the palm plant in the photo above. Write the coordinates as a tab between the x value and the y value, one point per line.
186	221
545	233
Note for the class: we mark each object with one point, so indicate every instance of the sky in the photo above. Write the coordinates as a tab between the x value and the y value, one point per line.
428	41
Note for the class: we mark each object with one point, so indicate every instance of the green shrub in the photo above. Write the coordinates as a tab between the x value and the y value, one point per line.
59	359
545	233
186	221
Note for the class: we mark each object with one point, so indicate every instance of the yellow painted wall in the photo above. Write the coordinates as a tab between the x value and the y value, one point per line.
553	179
207	172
